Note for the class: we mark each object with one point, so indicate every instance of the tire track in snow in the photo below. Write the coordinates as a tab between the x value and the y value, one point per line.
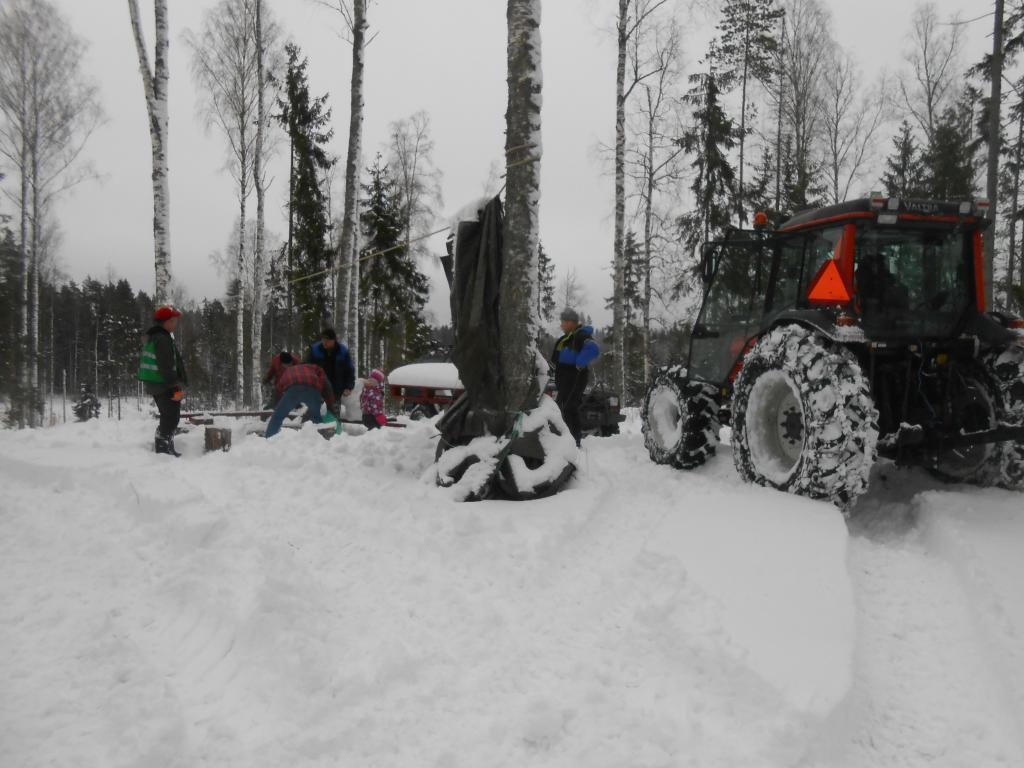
925	692
982	546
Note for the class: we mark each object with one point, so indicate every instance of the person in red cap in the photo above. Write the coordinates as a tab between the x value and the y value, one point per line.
162	371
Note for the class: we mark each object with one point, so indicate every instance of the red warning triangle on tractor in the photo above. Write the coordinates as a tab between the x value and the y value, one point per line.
828	286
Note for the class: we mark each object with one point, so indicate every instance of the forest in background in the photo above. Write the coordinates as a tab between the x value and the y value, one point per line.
775	116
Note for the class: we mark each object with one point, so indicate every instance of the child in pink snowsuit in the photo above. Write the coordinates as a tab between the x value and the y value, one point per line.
371	400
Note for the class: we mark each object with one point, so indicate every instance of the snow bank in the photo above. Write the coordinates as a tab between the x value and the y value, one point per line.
306	602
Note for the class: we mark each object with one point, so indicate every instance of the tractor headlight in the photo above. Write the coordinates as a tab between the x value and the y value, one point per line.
613	402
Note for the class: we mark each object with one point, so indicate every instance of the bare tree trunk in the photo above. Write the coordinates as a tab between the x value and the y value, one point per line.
25	412
154	83
522	198
1012	256
741	191
355	268
290	336
33	339
345	310
994	136
648	234
619	271
257	283
240	314
779	117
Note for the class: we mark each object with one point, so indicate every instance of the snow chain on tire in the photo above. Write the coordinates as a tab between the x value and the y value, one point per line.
680	419
1006	367
825	427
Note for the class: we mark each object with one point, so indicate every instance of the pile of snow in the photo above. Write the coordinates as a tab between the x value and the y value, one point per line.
307	602
436	375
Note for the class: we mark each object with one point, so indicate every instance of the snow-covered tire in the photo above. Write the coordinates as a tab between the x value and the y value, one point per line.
450	476
803	417
543	475
1006	369
680	419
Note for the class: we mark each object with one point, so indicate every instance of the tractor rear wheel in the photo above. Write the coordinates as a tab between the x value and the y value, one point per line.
977	404
803	418
680	420
1006	369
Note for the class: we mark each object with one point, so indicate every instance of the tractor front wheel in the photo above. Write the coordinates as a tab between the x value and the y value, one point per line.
680	420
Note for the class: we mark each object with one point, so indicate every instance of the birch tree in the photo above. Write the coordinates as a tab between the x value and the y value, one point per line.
154	85
931	84
804	58
259	181
48	110
411	159
346	262
226	67
851	119
994	137
655	158
632	17
419	182
518	332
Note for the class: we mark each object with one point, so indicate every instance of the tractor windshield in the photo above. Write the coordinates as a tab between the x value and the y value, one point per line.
913	282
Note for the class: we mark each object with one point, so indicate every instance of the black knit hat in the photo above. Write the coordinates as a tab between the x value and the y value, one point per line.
570	314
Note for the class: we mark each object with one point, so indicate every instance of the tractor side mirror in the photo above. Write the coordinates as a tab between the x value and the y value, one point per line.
708	260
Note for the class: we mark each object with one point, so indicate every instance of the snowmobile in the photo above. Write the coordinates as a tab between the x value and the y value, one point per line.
851	331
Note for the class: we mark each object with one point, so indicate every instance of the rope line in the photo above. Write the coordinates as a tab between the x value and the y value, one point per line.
365	257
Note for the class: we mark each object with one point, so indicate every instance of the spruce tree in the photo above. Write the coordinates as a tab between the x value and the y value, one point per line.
393	291
747	49
306	121
904	169
949	161
709	140
545	285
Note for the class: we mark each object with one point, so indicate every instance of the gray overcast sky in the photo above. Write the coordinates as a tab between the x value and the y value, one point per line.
443	56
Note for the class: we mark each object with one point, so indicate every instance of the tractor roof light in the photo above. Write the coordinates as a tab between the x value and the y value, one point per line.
760	220
1016	324
982	207
877	201
965	208
894	203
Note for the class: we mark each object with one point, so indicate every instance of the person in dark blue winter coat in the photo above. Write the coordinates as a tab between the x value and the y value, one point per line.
573	354
334	358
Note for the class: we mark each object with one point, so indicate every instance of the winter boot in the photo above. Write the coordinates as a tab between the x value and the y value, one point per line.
164	444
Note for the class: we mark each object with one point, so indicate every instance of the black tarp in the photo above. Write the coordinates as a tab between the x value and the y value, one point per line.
476	289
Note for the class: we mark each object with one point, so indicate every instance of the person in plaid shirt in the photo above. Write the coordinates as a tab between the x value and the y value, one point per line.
302	384
277	365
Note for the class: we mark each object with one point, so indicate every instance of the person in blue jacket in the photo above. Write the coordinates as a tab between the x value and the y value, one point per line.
574	352
333	357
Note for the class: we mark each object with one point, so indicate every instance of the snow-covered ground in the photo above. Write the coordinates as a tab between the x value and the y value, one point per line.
302	602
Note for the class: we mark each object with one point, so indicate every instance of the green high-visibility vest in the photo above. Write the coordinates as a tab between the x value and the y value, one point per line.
148	369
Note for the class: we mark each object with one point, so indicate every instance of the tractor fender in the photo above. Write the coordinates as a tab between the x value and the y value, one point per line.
817	320
990	329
